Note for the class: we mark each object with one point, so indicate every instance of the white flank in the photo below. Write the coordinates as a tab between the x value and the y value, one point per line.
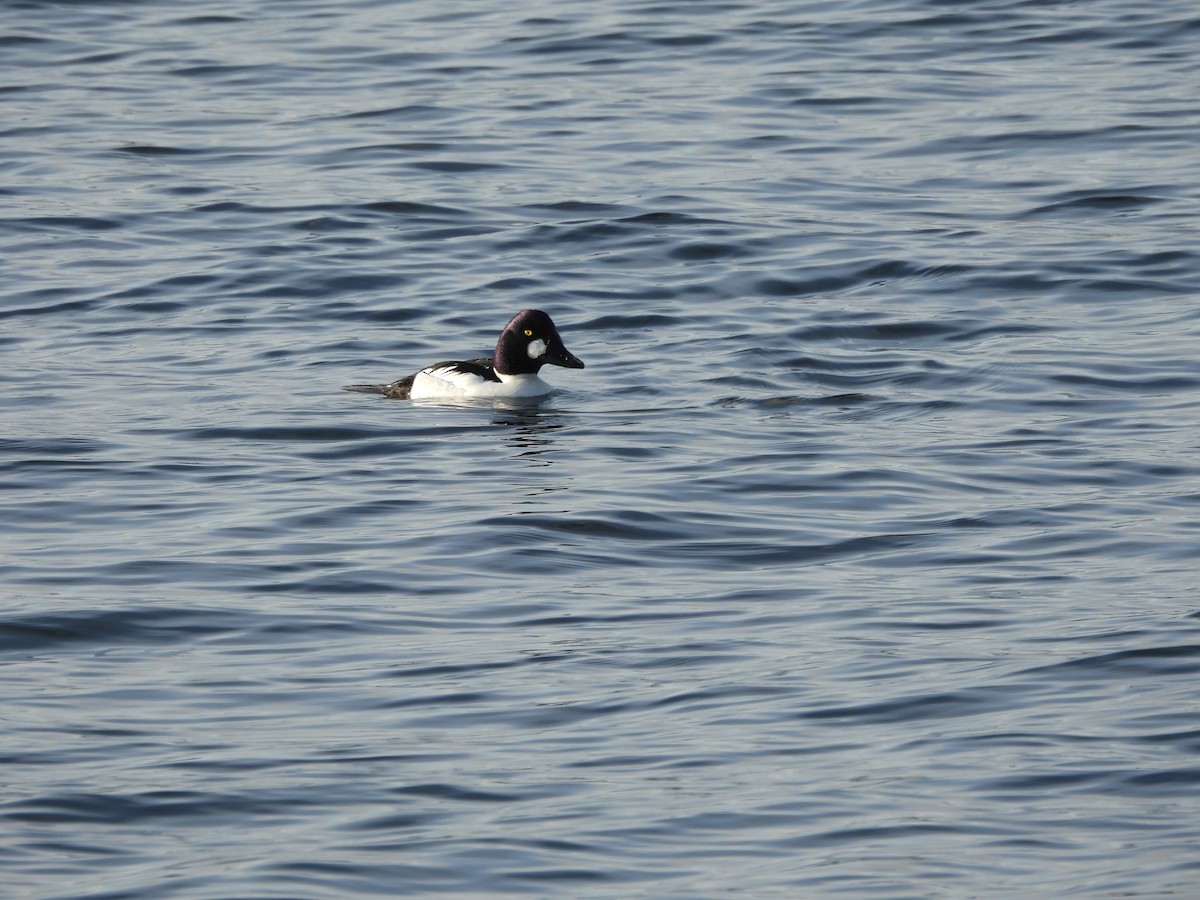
447	383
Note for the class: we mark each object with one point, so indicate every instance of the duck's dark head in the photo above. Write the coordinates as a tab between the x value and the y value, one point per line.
530	341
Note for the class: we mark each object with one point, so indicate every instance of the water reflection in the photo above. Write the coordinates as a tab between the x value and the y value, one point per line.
532	433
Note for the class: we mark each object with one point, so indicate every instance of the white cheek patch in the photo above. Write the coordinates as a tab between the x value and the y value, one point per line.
537	349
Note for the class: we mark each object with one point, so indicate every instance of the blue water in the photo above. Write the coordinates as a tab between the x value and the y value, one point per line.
860	561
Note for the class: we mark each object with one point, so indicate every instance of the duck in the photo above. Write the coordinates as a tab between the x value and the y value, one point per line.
528	342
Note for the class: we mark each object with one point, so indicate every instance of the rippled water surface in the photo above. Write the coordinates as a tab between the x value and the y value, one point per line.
861	559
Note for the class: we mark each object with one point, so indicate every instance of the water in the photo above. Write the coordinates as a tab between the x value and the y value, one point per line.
860	561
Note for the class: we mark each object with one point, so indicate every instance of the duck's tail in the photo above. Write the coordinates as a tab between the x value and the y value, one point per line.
396	390
366	388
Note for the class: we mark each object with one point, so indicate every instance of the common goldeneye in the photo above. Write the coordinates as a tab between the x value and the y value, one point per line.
528	342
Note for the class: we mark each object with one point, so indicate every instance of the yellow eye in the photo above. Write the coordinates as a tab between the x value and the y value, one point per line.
528	332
